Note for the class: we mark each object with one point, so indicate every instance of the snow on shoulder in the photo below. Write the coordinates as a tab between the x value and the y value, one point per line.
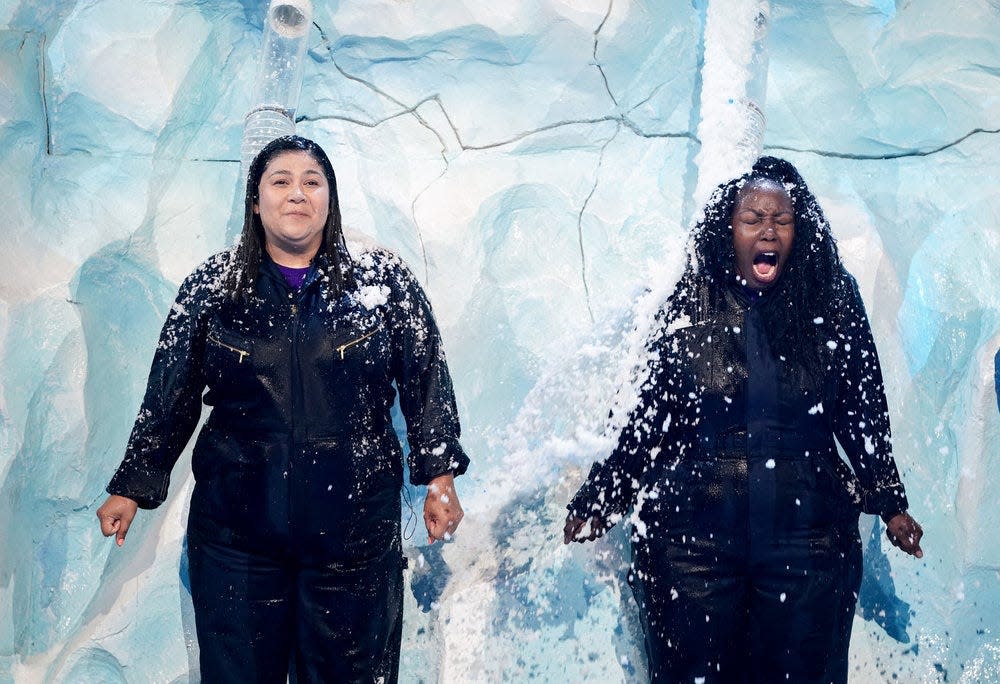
210	275
375	267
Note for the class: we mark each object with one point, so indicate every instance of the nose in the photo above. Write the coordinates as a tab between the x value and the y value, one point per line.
296	194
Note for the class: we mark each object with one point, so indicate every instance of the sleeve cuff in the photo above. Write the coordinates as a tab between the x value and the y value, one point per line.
579	508
591	499
148	490
439	457
885	501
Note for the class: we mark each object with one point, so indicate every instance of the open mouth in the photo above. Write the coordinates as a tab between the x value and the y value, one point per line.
765	267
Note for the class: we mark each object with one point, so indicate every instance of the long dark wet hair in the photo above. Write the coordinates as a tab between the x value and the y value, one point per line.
243	271
814	282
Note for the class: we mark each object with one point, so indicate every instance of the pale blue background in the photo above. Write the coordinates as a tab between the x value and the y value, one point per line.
533	161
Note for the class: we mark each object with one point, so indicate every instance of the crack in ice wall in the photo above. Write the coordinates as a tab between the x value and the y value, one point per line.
532	161
888	155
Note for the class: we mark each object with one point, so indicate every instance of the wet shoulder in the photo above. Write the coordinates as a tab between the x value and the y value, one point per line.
380	273
206	283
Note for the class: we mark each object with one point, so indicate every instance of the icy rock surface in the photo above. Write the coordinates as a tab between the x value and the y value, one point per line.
533	161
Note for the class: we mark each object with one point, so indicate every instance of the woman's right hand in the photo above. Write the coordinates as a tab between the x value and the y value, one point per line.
581	530
905	532
116	516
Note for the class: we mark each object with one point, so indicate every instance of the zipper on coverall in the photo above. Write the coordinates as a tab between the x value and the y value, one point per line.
295	385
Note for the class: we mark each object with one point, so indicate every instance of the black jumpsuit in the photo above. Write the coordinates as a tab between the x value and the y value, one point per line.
747	559
293	532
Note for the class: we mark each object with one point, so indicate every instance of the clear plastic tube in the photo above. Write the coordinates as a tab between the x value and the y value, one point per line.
279	77
752	142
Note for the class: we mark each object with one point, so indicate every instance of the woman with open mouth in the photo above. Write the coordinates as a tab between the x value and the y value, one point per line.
746	554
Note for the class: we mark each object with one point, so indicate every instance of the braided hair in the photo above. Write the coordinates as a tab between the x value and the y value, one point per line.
812	286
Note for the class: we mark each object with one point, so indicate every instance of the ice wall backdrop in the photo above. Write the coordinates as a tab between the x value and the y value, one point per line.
534	162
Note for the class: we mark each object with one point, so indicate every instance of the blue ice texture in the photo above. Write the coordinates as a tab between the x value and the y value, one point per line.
532	160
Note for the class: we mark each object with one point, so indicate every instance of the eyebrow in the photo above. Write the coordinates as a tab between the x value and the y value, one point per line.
286	172
764	213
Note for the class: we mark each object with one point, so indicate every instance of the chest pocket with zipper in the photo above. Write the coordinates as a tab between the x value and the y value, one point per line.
229	358
346	347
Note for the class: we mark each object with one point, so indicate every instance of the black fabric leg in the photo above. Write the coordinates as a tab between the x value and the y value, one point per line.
244	614
350	622
853	568
692	601
801	609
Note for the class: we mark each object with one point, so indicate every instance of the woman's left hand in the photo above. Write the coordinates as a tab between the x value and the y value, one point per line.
905	532
442	510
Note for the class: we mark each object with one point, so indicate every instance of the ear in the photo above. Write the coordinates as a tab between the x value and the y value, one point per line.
256	208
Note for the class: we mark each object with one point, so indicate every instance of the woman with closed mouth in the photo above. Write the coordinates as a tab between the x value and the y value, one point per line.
746	555
303	342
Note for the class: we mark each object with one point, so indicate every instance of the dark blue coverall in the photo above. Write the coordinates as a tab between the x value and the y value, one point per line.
293	533
746	554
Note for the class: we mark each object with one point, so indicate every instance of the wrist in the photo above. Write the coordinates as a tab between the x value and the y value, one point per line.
447	479
886	517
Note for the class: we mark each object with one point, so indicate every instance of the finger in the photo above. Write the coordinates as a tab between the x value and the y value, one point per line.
585	532
438	533
109	525
915	537
123	526
570	529
435	527
449	523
